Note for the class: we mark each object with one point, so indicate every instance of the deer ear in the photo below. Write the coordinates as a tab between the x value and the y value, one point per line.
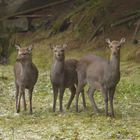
30	47
122	40
108	41
17	47
65	46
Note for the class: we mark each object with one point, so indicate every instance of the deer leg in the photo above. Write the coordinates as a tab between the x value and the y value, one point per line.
55	94
61	98
91	97
78	90
24	101
111	97
30	99
21	91
73	91
83	98
80	87
17	95
105	94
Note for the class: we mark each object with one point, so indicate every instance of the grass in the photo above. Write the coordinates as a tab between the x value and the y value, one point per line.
86	125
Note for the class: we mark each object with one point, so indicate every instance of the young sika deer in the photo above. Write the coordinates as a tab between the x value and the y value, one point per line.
26	75
101	75
63	75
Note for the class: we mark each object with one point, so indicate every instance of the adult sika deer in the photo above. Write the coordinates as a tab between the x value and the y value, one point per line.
26	75
100	74
63	75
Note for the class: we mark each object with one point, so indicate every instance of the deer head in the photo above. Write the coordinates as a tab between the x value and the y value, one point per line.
115	45
24	54
59	51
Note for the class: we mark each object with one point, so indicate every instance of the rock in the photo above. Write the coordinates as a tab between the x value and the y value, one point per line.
20	24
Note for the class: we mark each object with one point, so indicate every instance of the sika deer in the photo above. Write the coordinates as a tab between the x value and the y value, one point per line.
26	75
63	75
101	75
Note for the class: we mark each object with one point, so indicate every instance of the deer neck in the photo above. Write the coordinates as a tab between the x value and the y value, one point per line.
26	67
26	63
115	62
58	66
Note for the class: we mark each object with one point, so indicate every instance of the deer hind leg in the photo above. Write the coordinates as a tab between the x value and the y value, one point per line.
91	92
105	94
80	86
79	89
73	92
83	98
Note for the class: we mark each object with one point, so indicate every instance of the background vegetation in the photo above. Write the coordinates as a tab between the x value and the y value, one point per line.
85	15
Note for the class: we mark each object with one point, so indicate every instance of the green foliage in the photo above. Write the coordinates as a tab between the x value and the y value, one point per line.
56	26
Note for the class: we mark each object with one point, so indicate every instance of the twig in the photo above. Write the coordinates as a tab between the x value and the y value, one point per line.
122	21
78	24
136	30
131	14
96	31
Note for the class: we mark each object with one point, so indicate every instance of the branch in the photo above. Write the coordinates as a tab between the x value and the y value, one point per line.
34	9
96	31
131	13
122	21
78	24
136	31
